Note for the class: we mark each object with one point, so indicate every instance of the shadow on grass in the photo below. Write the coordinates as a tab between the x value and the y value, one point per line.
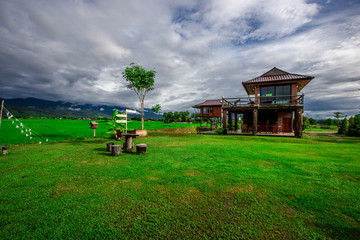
89	141
104	152
339	232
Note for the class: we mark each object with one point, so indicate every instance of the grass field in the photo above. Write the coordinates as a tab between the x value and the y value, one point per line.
64	129
187	186
319	128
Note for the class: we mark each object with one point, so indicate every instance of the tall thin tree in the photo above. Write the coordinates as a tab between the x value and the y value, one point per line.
141	81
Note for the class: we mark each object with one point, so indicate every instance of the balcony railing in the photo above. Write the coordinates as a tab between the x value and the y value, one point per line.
292	100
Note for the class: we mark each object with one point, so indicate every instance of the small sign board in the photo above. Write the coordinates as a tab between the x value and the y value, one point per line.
124	117
121	121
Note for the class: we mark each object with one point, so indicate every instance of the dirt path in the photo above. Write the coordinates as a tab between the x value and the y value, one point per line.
329	133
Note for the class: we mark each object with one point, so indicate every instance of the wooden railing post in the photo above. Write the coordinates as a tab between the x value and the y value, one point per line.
236	122
230	120
298	122
224	118
255	120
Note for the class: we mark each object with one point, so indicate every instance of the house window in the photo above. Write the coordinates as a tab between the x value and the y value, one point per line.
275	94
285	92
207	110
267	93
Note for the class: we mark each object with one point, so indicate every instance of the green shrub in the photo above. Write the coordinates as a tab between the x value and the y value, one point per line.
306	122
354	126
329	122
222	131
312	121
344	126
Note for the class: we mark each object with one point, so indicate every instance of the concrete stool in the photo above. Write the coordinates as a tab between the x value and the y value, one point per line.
109	145
116	150
141	148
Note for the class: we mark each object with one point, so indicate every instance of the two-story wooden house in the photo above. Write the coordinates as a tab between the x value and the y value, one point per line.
274	103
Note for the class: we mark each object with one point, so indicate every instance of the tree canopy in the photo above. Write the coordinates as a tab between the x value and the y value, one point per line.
156	108
139	79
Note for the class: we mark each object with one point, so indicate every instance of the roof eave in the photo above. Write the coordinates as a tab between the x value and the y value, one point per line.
246	89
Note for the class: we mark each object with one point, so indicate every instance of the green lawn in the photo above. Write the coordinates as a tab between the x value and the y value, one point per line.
65	129
187	186
319	128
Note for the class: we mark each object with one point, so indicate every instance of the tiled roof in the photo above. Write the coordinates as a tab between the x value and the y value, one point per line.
216	102
276	74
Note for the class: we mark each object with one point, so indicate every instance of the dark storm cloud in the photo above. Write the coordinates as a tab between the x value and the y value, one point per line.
77	50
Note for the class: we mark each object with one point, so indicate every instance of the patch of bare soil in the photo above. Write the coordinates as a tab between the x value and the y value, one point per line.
337	138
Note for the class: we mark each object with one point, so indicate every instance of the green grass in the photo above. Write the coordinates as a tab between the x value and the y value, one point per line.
319	128
64	129
187	186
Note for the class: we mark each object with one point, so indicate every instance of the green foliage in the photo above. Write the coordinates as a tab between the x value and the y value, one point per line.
195	118
115	126
312	121
136	118
329	122
306	122
223	131
338	115
176	116
354	126
156	108
344	126
139	79
186	187
168	117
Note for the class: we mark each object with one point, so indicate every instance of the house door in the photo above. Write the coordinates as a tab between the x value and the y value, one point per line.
286	125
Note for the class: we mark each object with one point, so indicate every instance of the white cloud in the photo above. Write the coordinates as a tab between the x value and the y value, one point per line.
74	109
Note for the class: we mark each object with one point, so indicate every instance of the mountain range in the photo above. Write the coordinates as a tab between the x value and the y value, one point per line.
33	107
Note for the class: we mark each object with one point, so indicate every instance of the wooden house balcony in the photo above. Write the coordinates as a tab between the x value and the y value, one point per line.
263	102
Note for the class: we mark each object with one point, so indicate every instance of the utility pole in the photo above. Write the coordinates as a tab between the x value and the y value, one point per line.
2	106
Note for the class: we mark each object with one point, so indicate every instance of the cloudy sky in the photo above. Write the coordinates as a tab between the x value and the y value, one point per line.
76	50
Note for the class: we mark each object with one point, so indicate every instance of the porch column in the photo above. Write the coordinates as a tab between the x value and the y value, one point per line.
236	121
230	120
298	122
224	118
255	120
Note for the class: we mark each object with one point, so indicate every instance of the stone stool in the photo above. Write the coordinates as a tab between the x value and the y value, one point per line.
141	148
108	146
116	150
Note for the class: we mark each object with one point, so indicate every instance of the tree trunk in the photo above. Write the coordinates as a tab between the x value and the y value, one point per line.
142	114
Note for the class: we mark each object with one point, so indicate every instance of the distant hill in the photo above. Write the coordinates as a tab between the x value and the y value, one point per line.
26	107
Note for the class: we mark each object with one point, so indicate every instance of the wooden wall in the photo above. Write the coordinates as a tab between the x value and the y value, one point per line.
216	111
